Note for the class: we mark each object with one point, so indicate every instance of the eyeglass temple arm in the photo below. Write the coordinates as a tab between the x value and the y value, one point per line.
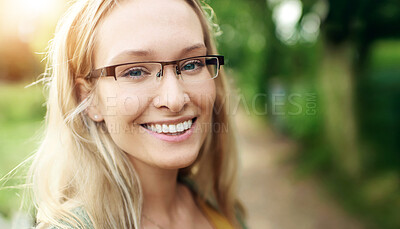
107	71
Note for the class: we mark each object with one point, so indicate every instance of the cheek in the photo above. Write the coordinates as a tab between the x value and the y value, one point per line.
119	104
204	97
121	112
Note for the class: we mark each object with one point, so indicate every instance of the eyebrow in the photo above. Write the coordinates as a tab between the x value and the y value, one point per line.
193	47
146	53
128	53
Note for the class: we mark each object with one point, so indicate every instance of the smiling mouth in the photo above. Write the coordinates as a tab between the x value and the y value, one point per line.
170	129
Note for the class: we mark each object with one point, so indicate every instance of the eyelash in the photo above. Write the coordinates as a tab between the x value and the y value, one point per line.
126	73
196	62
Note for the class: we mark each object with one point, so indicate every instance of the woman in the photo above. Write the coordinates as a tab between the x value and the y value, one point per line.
131	138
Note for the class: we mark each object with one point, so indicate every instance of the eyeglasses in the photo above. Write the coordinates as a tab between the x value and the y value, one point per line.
192	69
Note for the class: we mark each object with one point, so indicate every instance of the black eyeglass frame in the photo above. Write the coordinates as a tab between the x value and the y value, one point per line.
109	71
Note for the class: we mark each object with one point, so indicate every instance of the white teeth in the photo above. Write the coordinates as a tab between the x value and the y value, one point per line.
163	128
158	128
172	128
179	127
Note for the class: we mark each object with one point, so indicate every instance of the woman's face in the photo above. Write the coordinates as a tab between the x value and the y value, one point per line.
151	30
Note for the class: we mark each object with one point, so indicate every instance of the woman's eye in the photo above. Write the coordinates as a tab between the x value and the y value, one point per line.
189	66
134	73
192	66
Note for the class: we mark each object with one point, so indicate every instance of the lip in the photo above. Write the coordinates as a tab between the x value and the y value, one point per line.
172	138
172	121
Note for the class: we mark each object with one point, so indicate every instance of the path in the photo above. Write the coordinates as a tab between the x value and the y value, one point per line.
274	197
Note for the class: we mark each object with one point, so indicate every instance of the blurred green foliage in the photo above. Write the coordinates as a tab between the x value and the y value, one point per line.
350	72
21	118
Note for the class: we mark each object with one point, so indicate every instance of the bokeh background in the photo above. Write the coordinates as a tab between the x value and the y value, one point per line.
317	106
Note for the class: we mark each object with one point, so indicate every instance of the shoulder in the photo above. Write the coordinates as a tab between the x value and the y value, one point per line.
216	219
211	209
81	216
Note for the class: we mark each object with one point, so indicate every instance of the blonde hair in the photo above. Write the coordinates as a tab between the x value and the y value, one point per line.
107	186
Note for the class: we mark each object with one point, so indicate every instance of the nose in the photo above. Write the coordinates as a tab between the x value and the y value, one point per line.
171	93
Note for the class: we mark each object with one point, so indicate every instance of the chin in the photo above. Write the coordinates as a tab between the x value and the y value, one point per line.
178	161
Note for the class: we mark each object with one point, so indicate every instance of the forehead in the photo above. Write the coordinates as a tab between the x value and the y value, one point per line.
160	28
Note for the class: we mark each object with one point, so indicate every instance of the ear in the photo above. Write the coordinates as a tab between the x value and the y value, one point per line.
83	91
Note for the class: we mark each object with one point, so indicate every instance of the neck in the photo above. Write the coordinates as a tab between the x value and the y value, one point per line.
160	189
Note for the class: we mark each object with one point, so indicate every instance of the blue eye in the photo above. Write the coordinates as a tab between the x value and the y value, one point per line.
135	73
190	66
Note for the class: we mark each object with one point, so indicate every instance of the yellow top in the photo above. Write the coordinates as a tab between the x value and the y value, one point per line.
217	220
